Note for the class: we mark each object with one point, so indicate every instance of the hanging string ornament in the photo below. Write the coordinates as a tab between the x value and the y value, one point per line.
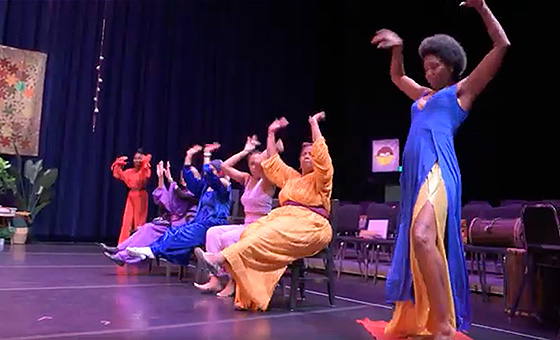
98	70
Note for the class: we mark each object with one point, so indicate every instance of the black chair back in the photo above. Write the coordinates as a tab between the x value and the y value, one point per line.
541	224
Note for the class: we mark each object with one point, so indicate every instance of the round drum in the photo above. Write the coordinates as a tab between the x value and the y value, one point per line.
499	232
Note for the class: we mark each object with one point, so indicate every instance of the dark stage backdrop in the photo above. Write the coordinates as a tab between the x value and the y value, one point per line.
183	72
506	148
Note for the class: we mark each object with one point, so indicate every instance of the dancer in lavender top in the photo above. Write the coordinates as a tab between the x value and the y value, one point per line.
178	206
256	200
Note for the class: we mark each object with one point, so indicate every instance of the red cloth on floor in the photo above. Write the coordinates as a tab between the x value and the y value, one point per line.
377	330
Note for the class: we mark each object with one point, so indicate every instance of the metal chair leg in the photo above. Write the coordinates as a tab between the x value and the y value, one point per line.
294	283
301	284
181	273
282	287
342	255
329	267
376	253
167	269
484	284
364	257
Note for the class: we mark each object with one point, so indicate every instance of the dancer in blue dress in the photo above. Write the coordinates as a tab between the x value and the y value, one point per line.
429	248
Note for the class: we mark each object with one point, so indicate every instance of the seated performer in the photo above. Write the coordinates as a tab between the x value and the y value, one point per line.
179	207
298	228
213	192
256	200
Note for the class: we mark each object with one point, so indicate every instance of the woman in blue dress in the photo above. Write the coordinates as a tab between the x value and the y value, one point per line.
213	191
429	248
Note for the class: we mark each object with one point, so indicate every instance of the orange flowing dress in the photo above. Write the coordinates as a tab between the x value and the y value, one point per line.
136	208
266	247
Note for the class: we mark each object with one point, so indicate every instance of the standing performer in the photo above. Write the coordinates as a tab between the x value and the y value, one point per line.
298	228
135	178
428	280
178	207
256	200
213	192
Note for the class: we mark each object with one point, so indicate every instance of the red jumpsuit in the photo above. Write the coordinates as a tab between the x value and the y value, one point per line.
136	208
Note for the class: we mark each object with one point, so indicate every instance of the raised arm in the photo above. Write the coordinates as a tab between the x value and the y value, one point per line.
117	167
228	165
271	144
146	167
208	149
208	176
167	173
322	162
194	184
388	39
160	171
212	180
470	87
275	170
161	193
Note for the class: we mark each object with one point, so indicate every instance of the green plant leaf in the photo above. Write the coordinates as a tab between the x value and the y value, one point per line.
21	193
46	195
20	203
7	180
31	170
48	178
38	208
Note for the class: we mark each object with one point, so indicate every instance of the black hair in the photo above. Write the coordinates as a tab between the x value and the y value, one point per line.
448	50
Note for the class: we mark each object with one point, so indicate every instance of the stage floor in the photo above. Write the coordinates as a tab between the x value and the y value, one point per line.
54	291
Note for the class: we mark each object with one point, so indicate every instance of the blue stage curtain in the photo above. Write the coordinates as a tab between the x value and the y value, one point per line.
175	73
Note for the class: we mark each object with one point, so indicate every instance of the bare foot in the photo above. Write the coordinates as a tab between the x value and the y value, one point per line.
212	286
447	332
228	290
444	337
240	308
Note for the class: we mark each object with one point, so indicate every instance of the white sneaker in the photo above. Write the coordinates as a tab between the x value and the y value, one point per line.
143	252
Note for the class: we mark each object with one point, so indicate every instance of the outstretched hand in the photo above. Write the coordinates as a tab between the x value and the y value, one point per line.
319	116
194	150
251	144
385	38
167	172
159	169
476	4
211	147
278	124
280	146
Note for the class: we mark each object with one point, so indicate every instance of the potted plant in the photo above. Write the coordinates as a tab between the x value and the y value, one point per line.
7	180
33	192
7	186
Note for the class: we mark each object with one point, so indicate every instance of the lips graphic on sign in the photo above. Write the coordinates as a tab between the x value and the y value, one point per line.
385	156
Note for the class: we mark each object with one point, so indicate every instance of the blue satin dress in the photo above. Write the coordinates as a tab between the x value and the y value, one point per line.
431	140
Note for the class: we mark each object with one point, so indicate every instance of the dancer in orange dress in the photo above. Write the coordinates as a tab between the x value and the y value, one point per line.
297	229
135	178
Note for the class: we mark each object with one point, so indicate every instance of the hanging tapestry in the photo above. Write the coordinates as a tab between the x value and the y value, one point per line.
22	75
